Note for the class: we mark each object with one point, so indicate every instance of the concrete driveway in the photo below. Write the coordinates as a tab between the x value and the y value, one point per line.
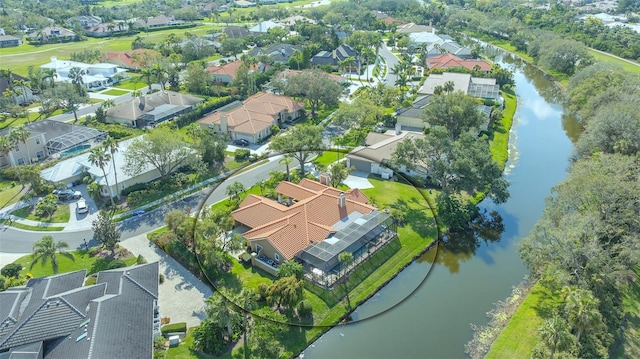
358	180
82	221
181	296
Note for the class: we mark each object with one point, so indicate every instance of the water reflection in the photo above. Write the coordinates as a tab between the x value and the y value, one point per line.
459	247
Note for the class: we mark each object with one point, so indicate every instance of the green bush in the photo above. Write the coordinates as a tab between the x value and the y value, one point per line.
117	263
141	259
161	278
11	270
91	280
242	154
180	327
263	290
2	282
134	188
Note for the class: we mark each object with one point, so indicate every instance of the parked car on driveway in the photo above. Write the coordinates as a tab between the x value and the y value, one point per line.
67	194
241	142
81	207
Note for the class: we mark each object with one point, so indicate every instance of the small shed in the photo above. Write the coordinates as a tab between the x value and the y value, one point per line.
174	340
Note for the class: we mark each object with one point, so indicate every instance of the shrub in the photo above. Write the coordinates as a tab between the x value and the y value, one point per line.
11	270
242	154
263	290
158	343
117	263
161	278
141	260
99	265
134	188
160	354
304	309
2	282
164	239
91	280
15	282
93	251
180	327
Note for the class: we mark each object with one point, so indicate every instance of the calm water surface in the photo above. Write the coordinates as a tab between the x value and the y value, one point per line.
434	322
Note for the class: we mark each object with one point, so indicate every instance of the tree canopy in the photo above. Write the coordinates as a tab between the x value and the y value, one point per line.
456	111
314	86
301	142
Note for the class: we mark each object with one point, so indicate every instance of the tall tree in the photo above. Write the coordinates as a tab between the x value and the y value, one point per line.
345	258
556	335
219	307
456	111
162	149
77	78
98	156
286	160
6	146
339	172
314	86
301	142
105	231
110	144
21	135
46	250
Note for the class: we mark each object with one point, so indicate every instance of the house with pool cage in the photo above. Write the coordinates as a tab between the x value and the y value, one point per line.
312	223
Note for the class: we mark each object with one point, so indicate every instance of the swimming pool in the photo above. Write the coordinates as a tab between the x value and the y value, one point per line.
75	150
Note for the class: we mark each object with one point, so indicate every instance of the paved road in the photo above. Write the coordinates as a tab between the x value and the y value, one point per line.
21	241
391	61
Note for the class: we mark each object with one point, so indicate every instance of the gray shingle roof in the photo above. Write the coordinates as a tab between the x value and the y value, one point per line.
111	319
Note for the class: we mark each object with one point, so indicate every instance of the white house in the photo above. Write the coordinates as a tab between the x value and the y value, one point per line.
94	76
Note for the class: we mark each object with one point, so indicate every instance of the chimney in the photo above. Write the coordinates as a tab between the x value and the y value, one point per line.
342	200
223	123
398	128
324	179
143	102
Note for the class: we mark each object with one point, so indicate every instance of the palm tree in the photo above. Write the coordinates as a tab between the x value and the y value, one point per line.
21	134
448	87
99	157
222	310
76	74
555	333
147	73
161	74
51	75
46	249
582	310
194	131
247	299
111	145
6	145
286	160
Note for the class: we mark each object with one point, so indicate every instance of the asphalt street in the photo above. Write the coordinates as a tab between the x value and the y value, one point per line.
21	241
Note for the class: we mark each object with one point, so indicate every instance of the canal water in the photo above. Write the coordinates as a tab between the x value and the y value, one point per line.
461	286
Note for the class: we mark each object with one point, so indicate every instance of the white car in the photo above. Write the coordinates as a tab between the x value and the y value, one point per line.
81	207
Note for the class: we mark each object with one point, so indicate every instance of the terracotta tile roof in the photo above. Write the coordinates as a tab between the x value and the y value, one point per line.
291	229
450	60
226	69
128	58
256	113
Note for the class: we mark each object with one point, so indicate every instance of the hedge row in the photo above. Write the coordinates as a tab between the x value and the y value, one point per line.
180	327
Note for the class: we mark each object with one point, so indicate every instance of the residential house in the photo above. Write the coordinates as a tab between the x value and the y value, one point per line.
253	118
51	34
236	32
286	73
58	316
424	37
312	223
151	109
9	41
413	27
449	61
106	29
21	93
157	22
85	21
410	118
131	59
244	4
48	138
226	73
294	19
448	47
485	88
75	168
265	26
375	156
94	76
278	53
335	58
384	17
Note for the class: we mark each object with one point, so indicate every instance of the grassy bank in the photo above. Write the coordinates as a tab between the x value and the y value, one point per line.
499	143
82	261
603	57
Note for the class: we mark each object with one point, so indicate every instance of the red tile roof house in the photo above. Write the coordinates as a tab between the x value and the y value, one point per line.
253	118
313	223
224	73
447	61
130	59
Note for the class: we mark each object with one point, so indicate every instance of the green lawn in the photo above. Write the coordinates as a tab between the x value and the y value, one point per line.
329	157
61	215
9	194
614	60
114	92
521	335
499	143
82	261
32	228
135	83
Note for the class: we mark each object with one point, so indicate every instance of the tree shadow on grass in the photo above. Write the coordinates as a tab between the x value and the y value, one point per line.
416	218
